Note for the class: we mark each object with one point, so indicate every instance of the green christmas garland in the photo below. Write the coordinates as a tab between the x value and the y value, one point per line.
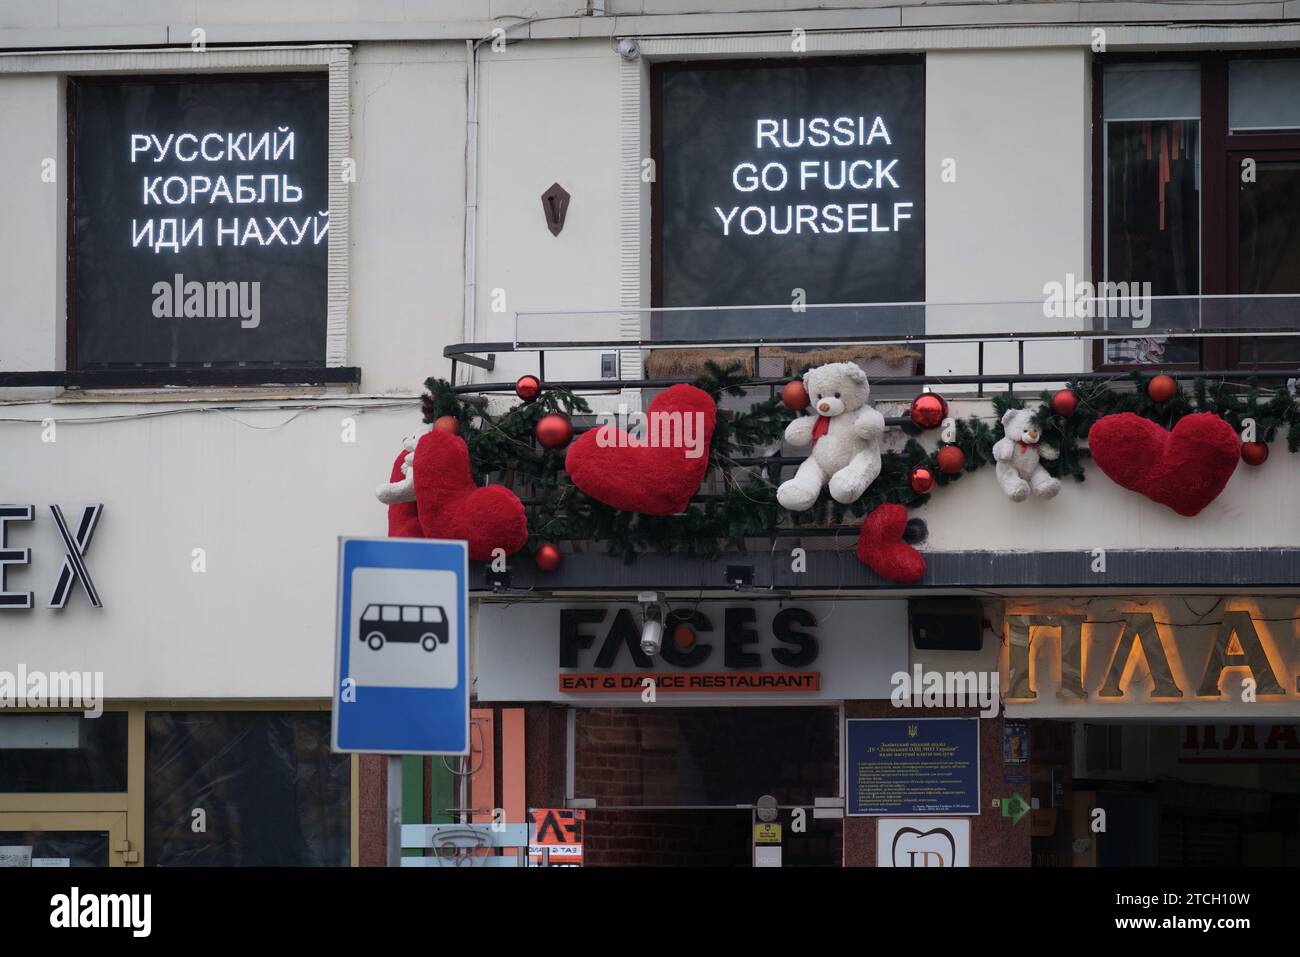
502	449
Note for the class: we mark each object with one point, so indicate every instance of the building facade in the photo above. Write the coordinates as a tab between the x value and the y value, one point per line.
240	238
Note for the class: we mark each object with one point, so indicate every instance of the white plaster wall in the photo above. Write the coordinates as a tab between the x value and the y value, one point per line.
549	113
32	215
1016	125
265	494
408	212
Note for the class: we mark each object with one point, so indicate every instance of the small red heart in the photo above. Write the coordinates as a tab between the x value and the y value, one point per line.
882	549
1185	468
451	506
659	477
403	517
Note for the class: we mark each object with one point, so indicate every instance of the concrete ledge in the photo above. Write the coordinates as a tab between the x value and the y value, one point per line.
840	571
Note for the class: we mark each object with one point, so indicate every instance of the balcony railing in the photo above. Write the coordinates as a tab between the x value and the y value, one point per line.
972	337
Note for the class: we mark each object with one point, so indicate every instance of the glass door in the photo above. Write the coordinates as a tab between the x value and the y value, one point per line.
63	839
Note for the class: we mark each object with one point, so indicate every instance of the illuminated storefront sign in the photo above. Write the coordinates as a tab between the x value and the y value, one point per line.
1107	651
76	541
710	651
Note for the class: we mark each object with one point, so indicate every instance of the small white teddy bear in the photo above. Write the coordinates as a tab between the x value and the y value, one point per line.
845	435
1018	453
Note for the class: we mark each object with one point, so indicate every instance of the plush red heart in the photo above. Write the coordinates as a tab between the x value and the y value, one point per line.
451	506
658	476
403	517
882	549
1185	469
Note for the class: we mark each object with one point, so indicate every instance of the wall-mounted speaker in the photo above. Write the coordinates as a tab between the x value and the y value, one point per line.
946	624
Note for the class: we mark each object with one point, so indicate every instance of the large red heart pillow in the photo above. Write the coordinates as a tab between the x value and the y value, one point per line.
882	549
1185	468
658	473
451	506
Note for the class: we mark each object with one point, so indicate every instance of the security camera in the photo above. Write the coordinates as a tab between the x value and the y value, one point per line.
652	631
628	49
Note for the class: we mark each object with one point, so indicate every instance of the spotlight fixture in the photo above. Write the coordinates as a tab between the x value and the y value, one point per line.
652	630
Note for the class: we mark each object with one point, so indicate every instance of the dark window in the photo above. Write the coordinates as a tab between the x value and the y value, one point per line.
56	753
197	232
779	176
270	790
1199	194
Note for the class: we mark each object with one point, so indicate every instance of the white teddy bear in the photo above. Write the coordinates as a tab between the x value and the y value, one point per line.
1018	454
845	434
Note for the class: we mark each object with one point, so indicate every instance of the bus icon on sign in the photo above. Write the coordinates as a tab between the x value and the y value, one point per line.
382	624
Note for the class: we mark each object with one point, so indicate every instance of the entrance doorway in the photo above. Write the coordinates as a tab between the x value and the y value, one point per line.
1122	794
677	786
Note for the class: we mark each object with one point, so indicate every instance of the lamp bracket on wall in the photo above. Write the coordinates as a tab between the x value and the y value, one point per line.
555	204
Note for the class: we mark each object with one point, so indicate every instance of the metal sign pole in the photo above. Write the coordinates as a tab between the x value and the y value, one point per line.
394	811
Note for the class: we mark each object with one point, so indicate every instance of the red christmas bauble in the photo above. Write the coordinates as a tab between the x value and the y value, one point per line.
548	557
795	396
447	423
1065	402
922	480
553	430
928	411
528	387
684	637
950	459
1162	388
1254	453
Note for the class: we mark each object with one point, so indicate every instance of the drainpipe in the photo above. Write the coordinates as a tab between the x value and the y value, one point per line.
471	196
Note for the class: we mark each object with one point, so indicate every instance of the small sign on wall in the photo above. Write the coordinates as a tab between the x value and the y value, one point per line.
922	842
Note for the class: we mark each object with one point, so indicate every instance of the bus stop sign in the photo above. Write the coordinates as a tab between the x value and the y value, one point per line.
401	657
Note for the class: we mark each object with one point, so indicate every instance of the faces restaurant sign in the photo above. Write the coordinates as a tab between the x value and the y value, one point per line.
1228	657
711	652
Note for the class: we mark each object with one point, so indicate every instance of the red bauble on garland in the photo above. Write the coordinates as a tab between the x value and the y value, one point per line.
882	549
684	637
548	557
451	506
447	423
1162	388
553	430
1254	453
950	459
1185	468
922	480
794	396
652	479
1065	402
528	387
928	411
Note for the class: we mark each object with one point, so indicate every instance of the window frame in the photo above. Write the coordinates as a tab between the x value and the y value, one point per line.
1217	145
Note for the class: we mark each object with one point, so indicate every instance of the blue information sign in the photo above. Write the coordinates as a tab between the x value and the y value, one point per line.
401	660
911	766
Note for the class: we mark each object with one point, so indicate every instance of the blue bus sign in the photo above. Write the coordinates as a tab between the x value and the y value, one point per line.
401	658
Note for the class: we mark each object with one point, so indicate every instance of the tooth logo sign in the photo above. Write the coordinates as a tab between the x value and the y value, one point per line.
933	848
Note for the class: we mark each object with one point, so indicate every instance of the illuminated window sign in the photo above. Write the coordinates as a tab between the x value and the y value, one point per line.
781	177
200	221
